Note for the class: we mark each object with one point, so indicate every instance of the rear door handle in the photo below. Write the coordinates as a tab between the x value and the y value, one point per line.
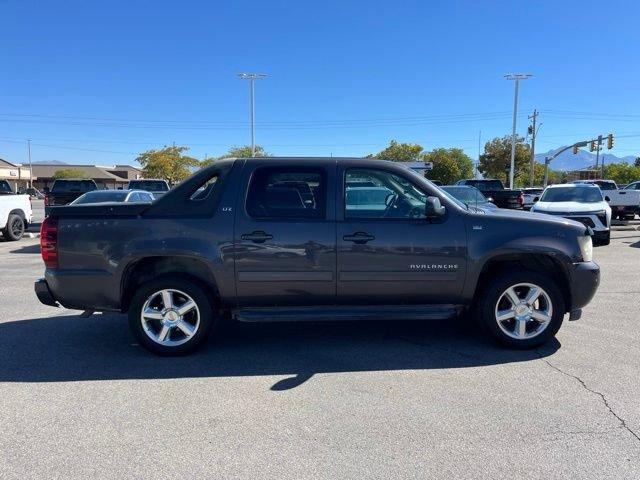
359	238
256	237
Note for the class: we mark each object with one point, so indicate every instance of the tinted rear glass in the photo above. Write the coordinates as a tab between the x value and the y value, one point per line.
101	197
62	186
486	185
5	187
149	185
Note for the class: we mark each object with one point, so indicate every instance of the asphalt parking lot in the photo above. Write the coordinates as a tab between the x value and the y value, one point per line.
363	400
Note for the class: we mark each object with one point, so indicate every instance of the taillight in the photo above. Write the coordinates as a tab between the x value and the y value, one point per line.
49	242
521	199
46	200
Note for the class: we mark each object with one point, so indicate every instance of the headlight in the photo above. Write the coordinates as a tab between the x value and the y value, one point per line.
586	248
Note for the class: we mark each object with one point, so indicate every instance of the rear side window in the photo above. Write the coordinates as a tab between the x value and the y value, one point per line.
287	192
61	186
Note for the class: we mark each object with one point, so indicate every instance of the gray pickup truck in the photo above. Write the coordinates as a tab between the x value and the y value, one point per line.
294	239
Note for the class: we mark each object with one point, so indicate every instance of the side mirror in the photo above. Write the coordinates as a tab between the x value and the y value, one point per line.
535	199
607	199
433	207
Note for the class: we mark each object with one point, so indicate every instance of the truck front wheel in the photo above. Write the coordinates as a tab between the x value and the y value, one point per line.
14	229
521	309
171	315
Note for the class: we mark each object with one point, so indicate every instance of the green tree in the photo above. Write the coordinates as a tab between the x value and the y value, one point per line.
399	152
168	163
637	162
69	173
449	165
496	159
236	152
621	173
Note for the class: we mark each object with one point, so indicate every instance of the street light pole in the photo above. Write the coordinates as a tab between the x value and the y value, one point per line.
30	167
517	77
252	77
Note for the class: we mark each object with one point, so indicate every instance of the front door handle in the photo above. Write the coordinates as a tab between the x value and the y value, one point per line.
359	238
256	237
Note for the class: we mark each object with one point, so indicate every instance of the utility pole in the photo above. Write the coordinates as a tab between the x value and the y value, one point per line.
517	77
533	146
479	151
252	77
30	167
598	143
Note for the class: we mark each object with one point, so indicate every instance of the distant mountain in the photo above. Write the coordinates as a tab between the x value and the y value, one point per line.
50	162
583	159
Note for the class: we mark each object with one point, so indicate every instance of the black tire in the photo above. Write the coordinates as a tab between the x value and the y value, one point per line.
488	301
205	309
14	230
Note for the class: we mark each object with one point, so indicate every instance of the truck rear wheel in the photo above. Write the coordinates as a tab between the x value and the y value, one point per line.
171	315
14	230
521	309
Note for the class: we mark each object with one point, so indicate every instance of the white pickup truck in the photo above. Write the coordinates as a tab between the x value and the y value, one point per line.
624	203
15	213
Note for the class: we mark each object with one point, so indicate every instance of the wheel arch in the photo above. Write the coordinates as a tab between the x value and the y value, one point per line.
141	270
546	264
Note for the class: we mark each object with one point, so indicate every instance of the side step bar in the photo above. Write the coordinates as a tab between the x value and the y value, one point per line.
323	313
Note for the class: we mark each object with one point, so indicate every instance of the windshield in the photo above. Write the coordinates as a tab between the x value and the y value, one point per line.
468	195
62	186
101	197
572	194
149	185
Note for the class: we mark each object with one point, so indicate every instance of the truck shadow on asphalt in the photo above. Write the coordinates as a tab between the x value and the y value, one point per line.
71	348
27	249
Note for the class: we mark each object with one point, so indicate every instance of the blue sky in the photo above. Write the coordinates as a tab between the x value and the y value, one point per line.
98	82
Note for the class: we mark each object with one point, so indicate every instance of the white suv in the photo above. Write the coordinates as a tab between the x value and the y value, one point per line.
583	203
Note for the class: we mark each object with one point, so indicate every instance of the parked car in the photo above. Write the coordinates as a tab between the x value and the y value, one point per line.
157	187
470	196
113	196
529	196
625	204
502	197
5	188
63	192
248	247
15	215
584	203
632	186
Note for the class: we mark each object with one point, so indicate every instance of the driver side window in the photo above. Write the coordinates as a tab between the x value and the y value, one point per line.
371	193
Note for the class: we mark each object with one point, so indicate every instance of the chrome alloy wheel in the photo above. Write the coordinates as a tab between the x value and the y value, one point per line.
170	317
524	311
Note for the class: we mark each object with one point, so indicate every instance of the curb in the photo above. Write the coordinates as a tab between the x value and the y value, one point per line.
31	235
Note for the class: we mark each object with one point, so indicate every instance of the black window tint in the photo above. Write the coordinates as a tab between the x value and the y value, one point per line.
287	192
61	186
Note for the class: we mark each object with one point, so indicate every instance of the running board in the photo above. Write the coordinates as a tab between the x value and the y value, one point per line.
323	313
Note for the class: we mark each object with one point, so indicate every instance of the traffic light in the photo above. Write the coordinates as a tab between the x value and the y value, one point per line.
575	149
592	146
610	141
